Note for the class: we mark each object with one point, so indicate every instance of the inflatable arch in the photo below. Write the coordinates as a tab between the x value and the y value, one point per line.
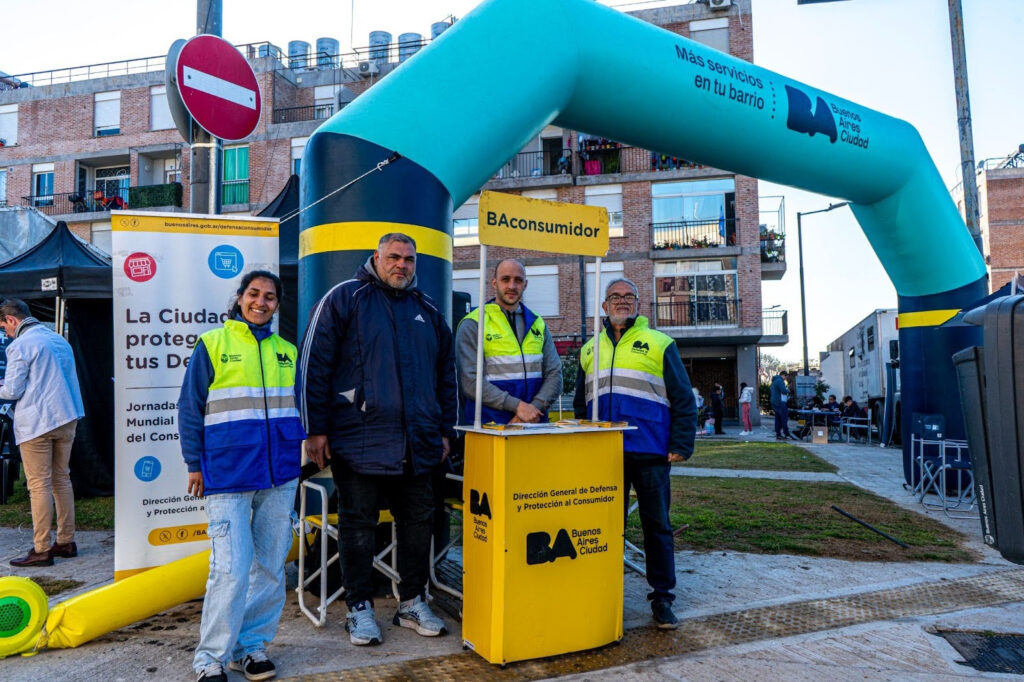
431	133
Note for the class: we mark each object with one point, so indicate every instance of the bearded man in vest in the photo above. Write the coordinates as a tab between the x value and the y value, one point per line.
522	370
642	381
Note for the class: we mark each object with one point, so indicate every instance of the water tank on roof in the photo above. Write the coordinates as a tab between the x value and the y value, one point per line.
437	28
298	51
379	41
265	50
326	53
408	45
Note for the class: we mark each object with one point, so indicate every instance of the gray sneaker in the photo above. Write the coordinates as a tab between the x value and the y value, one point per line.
415	614
362	625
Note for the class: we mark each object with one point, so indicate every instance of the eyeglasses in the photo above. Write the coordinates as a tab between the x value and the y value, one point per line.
616	298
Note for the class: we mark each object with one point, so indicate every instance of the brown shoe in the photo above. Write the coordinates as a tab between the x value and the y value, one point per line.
66	551
34	558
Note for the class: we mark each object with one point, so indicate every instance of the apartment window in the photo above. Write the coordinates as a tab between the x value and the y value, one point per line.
610	197
324	99
541	293
8	125
464	222
693	214
298	148
609	271
852	361
107	113
871	338
172	172
712	32
235	187
696	293
100	236
159	113
3	186
42	184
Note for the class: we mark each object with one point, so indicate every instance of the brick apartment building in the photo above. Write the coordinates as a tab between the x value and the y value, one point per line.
77	142
1001	215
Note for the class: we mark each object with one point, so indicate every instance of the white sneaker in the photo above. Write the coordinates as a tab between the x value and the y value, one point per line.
415	614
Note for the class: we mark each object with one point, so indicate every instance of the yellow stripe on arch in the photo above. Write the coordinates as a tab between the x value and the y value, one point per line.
925	318
364	235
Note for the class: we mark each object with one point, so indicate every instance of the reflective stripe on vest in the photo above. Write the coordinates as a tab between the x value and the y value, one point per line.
517	369
631	384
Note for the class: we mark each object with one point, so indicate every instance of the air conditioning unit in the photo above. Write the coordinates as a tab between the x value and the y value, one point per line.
719	4
368	68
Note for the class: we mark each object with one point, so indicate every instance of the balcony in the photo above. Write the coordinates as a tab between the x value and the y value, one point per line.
603	158
707	312
97	201
774	327
315	112
670	238
536	165
773	254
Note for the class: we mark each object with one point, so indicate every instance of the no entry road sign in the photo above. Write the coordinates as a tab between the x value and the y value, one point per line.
218	87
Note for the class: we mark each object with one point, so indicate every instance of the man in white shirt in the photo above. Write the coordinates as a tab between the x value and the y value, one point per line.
41	376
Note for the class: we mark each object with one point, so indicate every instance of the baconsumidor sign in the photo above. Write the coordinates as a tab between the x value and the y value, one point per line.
539	225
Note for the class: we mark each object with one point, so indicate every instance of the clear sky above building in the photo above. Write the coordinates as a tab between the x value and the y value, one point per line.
890	55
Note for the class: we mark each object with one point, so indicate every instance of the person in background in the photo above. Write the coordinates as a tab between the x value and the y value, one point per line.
832	405
718	408
701	414
779	397
647	386
746	398
41	376
241	437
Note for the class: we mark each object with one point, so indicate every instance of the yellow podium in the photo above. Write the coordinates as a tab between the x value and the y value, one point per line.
542	549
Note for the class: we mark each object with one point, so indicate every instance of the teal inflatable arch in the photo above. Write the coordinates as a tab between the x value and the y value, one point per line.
439	127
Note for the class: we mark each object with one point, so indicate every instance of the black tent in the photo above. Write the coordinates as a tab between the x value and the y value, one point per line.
63	268
286	205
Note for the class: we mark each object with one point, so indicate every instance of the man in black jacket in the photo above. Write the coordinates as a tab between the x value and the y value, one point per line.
379	401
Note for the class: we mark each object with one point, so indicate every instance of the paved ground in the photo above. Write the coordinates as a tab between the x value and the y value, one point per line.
713	588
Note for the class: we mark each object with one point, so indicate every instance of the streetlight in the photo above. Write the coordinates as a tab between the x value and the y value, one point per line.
800	250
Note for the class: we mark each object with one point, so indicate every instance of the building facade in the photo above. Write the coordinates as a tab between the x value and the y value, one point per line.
695	239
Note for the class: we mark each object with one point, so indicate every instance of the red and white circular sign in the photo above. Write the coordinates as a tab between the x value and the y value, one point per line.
218	87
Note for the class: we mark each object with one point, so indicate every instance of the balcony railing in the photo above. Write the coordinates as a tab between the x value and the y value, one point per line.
234	192
773	247
608	157
704	312
774	322
79	202
536	164
693	234
315	112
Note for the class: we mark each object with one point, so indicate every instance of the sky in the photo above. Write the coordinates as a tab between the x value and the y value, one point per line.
889	55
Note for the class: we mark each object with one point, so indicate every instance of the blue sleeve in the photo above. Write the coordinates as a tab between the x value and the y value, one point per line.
682	405
192	405
579	398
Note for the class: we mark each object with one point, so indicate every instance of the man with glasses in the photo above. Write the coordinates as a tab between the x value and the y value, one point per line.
522	370
642	381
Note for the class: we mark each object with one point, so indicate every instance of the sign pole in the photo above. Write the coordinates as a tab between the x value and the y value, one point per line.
481	320
597	334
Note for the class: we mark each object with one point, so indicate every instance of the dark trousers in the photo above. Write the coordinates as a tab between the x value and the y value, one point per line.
650	480
781	421
360	498
719	415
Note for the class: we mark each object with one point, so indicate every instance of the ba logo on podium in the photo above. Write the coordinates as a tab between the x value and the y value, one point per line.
540	550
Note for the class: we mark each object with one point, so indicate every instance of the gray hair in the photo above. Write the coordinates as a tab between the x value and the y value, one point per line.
395	237
15	307
630	282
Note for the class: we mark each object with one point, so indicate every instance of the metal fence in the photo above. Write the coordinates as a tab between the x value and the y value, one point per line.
693	234
706	312
774	322
536	164
79	202
234	192
315	112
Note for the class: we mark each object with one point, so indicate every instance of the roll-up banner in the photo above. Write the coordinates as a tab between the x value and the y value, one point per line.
175	276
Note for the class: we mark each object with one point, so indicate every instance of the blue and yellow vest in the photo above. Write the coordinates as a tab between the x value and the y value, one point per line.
252	433
631	385
508	365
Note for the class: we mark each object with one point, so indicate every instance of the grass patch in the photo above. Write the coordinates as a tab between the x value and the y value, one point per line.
724	454
53	586
795	517
94	513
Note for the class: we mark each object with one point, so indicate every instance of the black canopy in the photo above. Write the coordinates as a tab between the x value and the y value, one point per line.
76	269
286	205
81	276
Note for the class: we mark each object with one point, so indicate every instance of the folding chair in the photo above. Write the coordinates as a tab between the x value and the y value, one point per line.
315	523
630	547
453	506
956	495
